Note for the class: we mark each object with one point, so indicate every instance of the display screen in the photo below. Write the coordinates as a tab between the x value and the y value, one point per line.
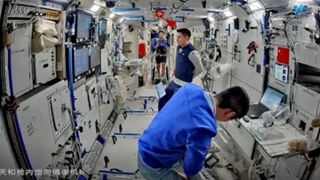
84	23
271	98
95	56
102	26
281	72
81	61
160	90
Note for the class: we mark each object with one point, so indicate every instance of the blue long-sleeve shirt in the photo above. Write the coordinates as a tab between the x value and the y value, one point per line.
182	130
161	43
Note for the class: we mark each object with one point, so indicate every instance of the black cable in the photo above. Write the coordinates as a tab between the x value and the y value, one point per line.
178	7
151	6
116	170
287	36
311	168
266	52
251	60
219	55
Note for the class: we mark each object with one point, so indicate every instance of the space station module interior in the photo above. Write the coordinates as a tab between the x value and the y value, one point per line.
79	85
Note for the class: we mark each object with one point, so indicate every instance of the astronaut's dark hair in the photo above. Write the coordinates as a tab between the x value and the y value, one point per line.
235	98
185	32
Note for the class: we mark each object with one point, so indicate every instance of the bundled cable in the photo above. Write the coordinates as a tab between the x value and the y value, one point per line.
11	104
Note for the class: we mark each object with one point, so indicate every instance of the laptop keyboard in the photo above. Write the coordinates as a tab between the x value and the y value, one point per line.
257	110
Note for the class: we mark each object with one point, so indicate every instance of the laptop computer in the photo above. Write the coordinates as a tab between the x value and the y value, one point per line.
271	99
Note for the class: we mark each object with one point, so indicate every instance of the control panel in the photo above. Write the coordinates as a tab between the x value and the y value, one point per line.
44	65
26	11
60	106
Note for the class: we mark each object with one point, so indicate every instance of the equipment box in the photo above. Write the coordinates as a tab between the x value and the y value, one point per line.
307	99
308	54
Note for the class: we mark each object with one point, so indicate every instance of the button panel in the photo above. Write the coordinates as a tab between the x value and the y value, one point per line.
24	11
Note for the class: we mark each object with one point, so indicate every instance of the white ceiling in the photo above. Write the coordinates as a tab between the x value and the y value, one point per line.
147	8
168	3
186	10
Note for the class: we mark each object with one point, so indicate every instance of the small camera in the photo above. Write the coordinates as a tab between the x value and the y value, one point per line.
110	4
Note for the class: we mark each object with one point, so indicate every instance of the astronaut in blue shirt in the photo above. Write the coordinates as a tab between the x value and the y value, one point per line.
160	46
188	65
182	131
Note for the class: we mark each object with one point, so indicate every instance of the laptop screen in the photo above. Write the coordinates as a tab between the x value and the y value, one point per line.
271	98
